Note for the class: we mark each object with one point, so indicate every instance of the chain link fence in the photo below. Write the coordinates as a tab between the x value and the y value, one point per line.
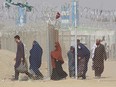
44	34
88	37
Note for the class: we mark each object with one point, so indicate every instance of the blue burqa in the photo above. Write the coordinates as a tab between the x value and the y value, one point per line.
84	53
35	57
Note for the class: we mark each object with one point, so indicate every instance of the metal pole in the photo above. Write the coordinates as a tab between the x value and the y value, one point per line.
48	54
75	11
48	49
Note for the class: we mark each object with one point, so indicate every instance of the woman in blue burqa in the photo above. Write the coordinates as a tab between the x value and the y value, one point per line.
35	59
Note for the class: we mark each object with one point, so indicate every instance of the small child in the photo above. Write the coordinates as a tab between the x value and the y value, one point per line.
71	61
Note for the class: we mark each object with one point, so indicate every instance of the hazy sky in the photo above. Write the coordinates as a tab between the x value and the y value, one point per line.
97	4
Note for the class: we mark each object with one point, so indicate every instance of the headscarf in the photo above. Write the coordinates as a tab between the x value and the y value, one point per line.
72	48
57	15
35	55
57	53
98	42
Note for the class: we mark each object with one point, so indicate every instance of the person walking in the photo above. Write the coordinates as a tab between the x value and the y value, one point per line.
35	59
71	61
20	57
98	60
57	61
83	57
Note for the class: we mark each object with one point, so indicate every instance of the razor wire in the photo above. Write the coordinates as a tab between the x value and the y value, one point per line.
88	17
43	14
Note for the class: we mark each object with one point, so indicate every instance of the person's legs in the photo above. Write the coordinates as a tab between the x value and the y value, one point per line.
69	73
86	63
95	69
60	70
101	70
72	71
16	74
82	68
86	66
38	74
55	75
29	75
85	69
97	72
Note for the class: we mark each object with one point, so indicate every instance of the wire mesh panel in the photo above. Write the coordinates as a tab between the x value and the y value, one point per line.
45	35
44	29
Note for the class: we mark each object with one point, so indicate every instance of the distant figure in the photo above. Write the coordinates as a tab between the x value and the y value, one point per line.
107	51
35	59
56	57
20	57
98	60
58	15
71	61
83	58
94	47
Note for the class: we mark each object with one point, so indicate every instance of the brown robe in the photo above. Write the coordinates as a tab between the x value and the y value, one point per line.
98	60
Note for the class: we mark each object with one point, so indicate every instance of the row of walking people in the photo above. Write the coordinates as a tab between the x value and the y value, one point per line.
35	61
83	55
57	61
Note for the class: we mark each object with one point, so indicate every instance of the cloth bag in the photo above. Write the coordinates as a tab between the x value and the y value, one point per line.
22	67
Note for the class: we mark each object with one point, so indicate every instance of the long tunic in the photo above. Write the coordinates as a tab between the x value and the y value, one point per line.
71	60
99	56
20	54
71	63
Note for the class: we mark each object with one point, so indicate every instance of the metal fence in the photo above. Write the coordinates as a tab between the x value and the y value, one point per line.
45	35
88	37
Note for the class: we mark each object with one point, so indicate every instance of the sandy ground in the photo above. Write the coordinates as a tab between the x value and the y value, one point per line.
6	71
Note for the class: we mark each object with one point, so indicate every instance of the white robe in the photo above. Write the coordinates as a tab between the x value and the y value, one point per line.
93	50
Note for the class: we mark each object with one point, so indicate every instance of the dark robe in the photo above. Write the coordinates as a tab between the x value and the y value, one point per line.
20	54
36	58
58	73
98	60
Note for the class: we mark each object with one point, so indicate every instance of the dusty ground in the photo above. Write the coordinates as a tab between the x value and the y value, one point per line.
6	70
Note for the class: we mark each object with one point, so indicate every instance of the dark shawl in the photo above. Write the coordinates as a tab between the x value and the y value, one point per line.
35	56
83	51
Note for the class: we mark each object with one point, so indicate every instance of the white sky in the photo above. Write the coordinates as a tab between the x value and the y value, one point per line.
97	4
